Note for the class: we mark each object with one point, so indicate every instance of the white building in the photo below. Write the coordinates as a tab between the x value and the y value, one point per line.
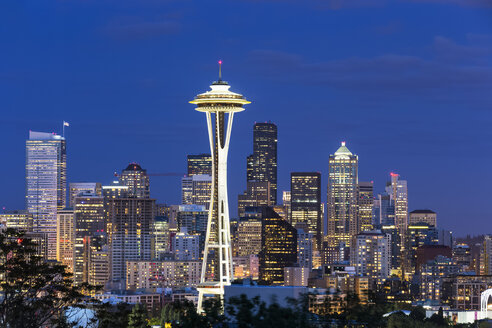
304	249
186	247
46	182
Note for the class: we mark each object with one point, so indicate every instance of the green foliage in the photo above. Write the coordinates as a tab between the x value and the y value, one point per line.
35	292
138	317
112	316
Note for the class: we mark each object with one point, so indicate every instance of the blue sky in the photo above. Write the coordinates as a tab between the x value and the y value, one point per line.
406	83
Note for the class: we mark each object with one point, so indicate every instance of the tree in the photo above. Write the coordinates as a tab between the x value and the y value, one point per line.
112	316
138	317
35	293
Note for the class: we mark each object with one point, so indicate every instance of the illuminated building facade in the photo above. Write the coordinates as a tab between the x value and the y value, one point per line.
257	194
342	197
423	216
371	255
193	218
216	104
162	238
398	191
186	246
76	188
248	241
65	237
416	236
130	233
46	183
286	202
365	199
262	164
196	190
278	247
199	164
305	188
18	219
431	275
89	222
304	246
137	181
162	274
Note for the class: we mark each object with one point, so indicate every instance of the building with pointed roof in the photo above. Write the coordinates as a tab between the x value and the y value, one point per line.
342	197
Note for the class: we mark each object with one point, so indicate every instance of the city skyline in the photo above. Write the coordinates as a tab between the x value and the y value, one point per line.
391	128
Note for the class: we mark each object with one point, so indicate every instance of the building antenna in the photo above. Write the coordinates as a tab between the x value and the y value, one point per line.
220	69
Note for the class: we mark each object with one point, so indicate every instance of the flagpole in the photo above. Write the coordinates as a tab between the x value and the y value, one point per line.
63	129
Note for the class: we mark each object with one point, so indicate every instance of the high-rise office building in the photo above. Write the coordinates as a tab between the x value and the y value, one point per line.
137	181
248	238
199	165
371	255
398	191
18	219
342	197
76	188
262	164
46	179
423	216
65	237
257	194
286	202
130	224
305	189
365	199
196	190
278	247
89	224
304	247
194	219
162	239
216	104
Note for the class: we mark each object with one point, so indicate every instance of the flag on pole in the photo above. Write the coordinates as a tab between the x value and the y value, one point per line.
65	123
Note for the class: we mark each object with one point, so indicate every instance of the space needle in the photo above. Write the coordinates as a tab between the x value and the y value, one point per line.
217	270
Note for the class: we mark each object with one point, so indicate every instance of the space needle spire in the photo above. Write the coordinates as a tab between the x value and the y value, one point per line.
217	270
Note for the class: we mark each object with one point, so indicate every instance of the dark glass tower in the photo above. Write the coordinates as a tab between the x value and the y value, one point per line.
199	164
305	188
278	247
262	164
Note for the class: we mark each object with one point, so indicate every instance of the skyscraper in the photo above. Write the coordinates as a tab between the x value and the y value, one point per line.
199	165
137	181
20	220
278	247
365	199
46	190
398	191
371	255
262	164
216	103
425	216
342	197
65	237
305	190
89	224
76	188
256	194
196	190
130	231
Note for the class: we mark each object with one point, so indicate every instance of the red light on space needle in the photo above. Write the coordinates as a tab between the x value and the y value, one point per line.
220	62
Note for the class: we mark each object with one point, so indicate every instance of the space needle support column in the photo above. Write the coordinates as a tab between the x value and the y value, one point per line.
217	266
